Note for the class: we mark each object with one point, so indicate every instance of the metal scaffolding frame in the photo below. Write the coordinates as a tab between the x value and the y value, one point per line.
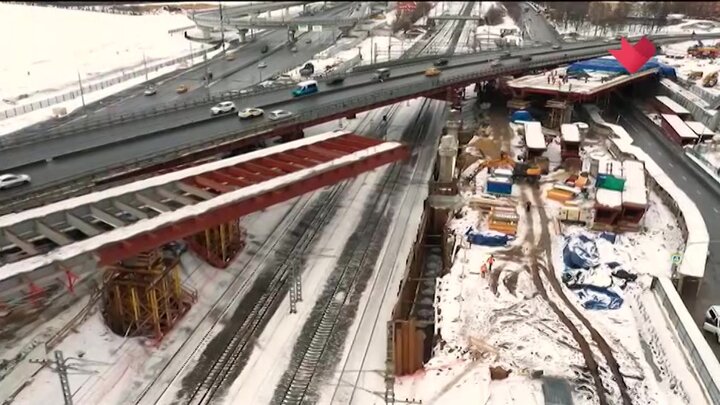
219	245
144	295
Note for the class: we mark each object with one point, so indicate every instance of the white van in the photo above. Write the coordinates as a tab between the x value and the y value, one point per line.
306	87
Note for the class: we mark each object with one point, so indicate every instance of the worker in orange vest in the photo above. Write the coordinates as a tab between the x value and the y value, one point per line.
490	262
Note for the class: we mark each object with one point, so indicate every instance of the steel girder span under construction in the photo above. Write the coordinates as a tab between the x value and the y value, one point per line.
127	230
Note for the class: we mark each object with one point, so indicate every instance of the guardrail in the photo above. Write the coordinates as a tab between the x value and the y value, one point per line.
71	95
23	139
315	113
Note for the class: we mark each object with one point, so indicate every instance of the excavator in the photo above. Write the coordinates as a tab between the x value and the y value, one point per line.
710	80
704	51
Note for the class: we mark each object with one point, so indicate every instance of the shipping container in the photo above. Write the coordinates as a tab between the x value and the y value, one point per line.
498	186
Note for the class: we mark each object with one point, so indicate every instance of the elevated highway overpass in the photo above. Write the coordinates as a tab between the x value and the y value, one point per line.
92	156
124	221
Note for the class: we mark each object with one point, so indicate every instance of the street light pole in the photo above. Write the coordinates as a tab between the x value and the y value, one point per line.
222	29
146	69
82	94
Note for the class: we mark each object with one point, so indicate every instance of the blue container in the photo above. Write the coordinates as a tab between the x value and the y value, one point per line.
499	187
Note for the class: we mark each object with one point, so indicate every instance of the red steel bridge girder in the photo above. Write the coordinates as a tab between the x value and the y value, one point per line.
221	215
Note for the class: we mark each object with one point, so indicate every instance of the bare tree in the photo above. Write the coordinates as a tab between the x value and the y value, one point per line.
495	15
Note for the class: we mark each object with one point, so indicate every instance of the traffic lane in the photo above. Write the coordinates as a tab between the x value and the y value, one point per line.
193	77
73	165
54	147
23	155
279	62
674	162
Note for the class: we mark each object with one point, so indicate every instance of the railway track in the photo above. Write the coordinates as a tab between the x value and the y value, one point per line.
543	246
365	247
226	364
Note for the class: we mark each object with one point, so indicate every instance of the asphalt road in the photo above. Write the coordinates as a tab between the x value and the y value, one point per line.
133	100
85	160
354	85
537	27
705	192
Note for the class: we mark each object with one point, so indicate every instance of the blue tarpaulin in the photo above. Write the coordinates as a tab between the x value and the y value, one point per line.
580	252
521	115
487	238
612	65
599	298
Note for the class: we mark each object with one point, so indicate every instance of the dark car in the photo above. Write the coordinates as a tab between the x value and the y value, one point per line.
265	49
441	62
336	79
526	58
505	55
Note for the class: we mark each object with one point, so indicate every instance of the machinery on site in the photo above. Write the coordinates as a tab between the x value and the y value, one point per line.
704	51
710	80
695	75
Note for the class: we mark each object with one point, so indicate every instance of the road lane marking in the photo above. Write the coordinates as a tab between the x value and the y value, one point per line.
671	165
697	191
684	178
716	210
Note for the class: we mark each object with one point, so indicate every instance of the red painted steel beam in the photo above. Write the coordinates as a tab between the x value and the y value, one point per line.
115	252
226	178
285	166
214	185
257	168
331	154
338	146
361	140
250	176
286	157
306	153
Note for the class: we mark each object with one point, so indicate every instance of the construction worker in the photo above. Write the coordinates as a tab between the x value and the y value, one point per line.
490	262
527	206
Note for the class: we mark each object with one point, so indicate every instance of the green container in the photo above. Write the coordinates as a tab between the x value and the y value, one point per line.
611	183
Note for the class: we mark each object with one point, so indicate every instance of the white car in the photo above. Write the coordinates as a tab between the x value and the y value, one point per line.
13	180
222	108
712	321
250	113
279	115
262	64
150	91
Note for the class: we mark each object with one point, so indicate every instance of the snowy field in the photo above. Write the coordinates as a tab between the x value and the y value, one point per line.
55	44
586	29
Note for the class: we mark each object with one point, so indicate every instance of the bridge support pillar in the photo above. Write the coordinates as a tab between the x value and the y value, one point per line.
291	35
293	136
219	245
242	33
144	296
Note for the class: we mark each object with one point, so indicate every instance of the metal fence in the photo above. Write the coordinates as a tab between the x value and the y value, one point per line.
89	88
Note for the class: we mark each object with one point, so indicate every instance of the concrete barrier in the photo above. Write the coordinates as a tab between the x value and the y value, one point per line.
698	352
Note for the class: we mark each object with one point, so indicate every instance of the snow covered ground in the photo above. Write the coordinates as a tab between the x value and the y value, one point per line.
676	56
125	366
52	45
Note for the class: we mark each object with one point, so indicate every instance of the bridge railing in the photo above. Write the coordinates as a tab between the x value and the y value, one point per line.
9	141
89	88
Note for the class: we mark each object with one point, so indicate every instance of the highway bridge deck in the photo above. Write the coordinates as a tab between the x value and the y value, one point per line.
119	222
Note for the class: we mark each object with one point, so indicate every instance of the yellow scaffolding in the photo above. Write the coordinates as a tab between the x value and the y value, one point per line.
144	295
219	245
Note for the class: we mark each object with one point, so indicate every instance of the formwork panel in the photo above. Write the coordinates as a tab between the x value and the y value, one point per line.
144	296
219	245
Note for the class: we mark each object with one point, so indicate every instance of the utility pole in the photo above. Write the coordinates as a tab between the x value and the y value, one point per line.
82	95
207	73
61	368
146	69
222	29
